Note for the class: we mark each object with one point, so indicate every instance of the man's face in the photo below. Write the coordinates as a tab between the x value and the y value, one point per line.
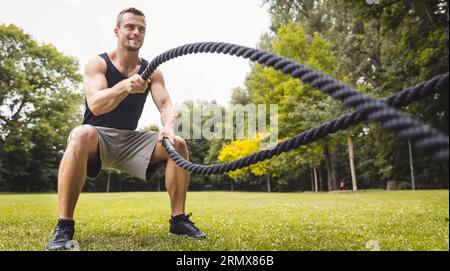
131	32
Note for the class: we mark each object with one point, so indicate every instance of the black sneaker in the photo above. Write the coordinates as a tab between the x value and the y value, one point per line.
181	225
64	231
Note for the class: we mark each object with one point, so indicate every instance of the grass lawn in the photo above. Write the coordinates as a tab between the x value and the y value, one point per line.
394	220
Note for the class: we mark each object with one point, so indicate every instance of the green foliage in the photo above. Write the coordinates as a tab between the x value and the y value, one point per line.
380	49
240	148
300	106
240	96
39	105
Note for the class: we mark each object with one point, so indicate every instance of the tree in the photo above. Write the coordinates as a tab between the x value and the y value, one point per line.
235	150
39	105
381	49
240	148
301	107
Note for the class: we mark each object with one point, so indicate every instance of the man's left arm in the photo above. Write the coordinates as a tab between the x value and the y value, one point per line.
164	104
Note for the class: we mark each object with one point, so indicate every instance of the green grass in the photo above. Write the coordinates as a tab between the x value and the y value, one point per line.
397	220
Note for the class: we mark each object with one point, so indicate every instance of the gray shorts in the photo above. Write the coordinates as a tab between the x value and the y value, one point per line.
125	150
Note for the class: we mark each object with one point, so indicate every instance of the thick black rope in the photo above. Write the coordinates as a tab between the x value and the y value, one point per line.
400	99
366	108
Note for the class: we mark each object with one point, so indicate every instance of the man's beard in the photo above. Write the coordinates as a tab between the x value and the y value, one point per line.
133	49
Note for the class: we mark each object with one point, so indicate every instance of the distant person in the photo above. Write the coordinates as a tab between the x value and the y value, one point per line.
341	185
115	96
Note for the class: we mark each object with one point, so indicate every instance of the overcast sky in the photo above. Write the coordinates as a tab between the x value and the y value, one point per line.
84	28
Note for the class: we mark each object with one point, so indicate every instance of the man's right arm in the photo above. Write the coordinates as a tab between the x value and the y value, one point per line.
101	99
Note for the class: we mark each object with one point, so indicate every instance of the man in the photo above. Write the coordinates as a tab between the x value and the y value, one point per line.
115	96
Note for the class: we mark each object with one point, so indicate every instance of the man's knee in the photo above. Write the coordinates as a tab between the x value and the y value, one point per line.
83	137
180	144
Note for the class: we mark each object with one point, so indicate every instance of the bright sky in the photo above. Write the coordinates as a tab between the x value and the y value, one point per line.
84	28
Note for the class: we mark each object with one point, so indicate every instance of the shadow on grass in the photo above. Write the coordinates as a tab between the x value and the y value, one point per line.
148	242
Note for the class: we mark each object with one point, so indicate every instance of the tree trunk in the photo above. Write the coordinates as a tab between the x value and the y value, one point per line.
328	167
158	186
30	184
316	187
269	178
303	182
311	173
319	168
352	163
334	173
391	185
108	182
411	166
232	185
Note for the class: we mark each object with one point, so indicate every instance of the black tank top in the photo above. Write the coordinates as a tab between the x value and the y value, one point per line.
126	115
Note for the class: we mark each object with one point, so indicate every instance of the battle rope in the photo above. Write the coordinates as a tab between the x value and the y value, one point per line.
366	108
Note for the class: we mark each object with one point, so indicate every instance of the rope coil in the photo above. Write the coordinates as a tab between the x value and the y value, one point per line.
366	108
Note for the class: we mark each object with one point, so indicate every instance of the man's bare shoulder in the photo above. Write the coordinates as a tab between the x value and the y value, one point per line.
95	65
157	76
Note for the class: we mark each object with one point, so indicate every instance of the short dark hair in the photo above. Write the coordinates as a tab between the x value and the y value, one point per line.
135	11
